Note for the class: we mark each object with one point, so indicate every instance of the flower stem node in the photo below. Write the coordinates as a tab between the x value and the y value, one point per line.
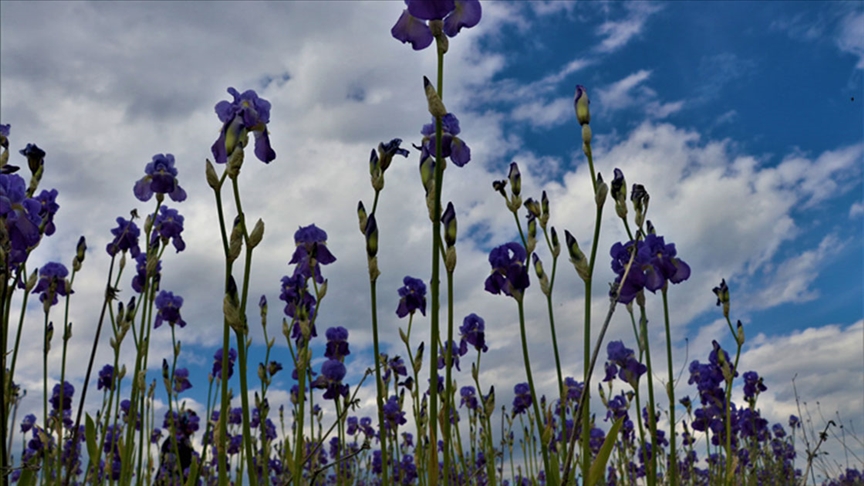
436	106
257	234
586	134
374	273
577	258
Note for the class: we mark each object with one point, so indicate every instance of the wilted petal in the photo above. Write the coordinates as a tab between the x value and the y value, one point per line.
410	29
466	14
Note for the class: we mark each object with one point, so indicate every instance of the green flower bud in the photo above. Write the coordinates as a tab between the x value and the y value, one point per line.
448	219
580	104
515	179
361	216
577	258
533	207
257	234
436	106
371	232
210	174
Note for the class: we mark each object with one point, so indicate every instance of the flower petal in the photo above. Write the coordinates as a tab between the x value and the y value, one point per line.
466	14
410	29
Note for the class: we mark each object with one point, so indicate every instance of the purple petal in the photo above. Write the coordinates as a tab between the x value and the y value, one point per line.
430	9
142	189
466	14
460	153
262	147
410	29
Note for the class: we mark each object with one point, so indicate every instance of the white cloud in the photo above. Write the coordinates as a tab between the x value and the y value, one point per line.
617	33
856	210
850	36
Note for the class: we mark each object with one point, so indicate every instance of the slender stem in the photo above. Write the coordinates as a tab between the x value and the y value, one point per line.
448	385
538	417
379	383
673	458
652	417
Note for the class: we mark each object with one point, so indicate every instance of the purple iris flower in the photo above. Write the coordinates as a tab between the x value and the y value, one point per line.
141	275
522	400
311	244
298	301
48	200
412	297
509	273
21	214
393	414
625	359
456	14
106	378
247	113
4	133
181	380
655	263
469	397
473	332
169	309
29	420
330	379
456	351
451	145
168	225
68	391
337	343
125	238
52	282
160	178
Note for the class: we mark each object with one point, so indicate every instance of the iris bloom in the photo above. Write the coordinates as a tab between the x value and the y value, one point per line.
337	343
21	215
509	273
412	25
312	249
125	238
160	178
52	282
168	305
167	226
412	297
247	113
451	145
472	331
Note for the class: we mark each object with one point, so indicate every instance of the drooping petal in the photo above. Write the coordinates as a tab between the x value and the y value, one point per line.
466	14
263	151
411	29
142	189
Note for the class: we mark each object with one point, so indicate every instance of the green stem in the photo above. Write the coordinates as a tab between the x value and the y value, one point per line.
652	417
379	383
538	417
673	457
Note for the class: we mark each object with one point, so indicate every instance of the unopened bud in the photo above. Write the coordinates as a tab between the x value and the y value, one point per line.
586	134
450	259
436	106
533	207
740	335
556	244
257	234
580	104
577	258
722	293
210	175
361	216
515	179
371	232
448	219
602	191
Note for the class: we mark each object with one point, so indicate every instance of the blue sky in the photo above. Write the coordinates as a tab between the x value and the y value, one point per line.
742	119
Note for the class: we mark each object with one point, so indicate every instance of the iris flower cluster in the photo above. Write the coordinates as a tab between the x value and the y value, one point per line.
509	273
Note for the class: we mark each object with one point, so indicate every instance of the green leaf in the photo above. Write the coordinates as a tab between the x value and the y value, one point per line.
28	477
90	437
598	468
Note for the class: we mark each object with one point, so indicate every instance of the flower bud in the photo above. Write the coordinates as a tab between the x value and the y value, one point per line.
257	234
515	179
322	289
586	134
361	216
740	336
450	259
210	174
541	275
371	232
80	249
262	374
577	258
448	219
499	186
544	207
602	191
639	197
427	174
556	244
374	165
436	106
580	104
533	207
722	293
532	235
